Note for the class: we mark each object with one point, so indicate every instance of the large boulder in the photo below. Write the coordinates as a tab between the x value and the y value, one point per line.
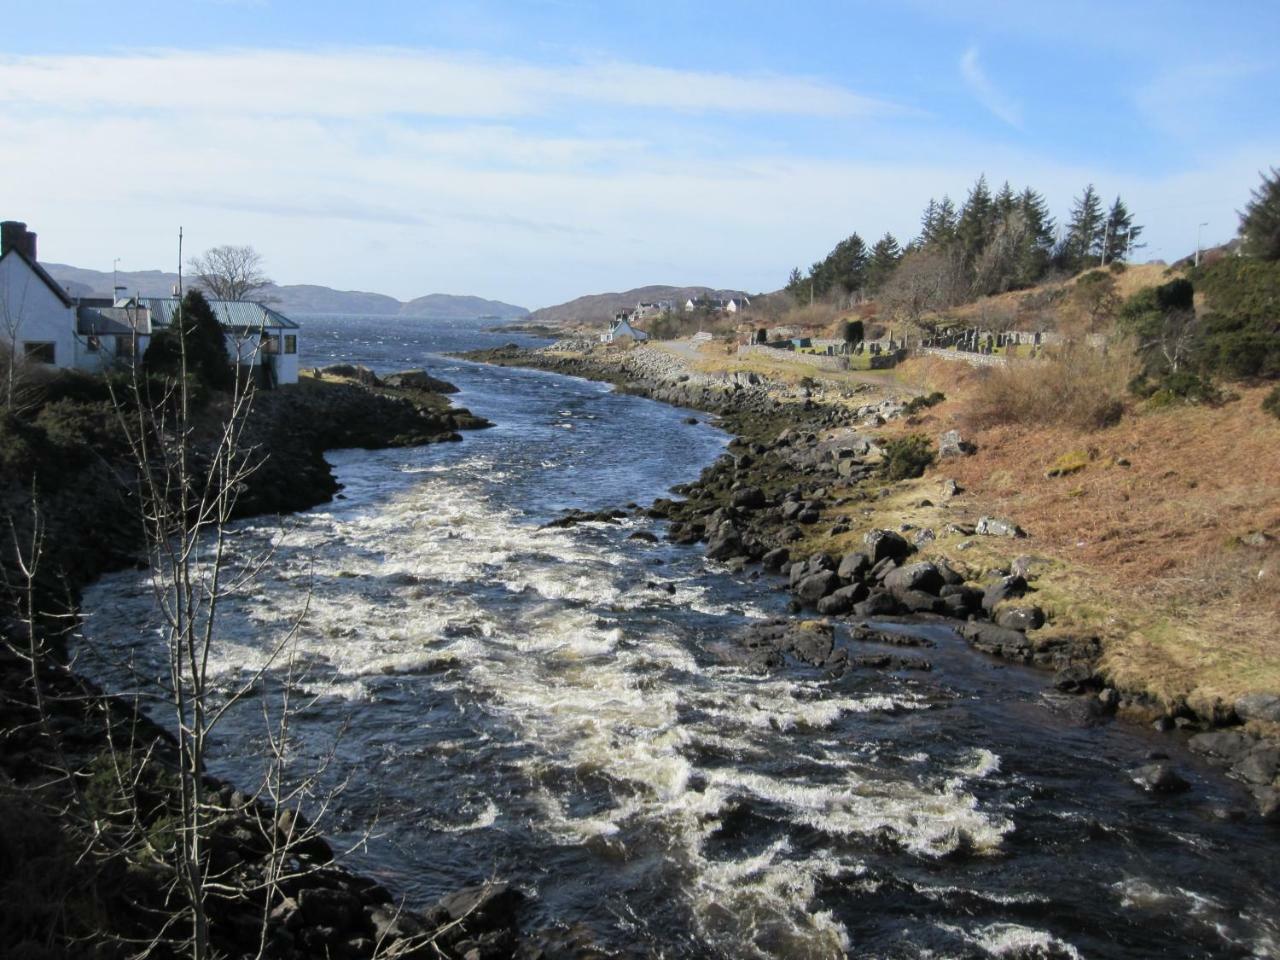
886	545
776	559
1023	618
419	380
951	444
816	586
1006	588
726	542
922	576
998	641
1259	706
998	527
854	566
1159	778
748	498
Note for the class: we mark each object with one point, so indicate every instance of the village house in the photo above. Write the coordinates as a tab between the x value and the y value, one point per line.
44	325
621	330
717	304
652	308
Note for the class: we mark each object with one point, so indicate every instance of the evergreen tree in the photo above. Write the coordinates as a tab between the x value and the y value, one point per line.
796	283
884	259
1037	251
938	225
1119	232
1260	222
196	328
1006	201
1082	245
846	265
977	222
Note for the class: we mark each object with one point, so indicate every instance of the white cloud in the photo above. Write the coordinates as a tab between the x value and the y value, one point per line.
985	91
359	83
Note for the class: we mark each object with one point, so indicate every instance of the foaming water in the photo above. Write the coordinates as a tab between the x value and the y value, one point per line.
552	705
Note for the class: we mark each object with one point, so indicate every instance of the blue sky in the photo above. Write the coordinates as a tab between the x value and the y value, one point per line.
536	151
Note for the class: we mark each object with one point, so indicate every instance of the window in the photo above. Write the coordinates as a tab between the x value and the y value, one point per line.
92	344
291	343
40	351
124	345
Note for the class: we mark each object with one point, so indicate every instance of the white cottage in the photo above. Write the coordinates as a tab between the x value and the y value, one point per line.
621	329
42	323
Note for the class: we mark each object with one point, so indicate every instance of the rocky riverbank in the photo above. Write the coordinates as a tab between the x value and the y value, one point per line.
806	468
85	823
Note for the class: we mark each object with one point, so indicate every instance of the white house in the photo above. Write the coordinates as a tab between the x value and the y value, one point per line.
260	340
41	323
734	304
37	317
621	329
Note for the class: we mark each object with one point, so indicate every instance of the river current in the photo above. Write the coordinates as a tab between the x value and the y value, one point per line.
556	707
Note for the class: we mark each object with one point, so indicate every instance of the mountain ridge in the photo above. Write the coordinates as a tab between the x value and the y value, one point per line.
299	298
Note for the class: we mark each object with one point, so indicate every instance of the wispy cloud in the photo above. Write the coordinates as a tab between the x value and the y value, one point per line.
986	92
361	82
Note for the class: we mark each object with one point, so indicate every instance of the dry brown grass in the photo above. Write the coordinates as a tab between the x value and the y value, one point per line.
1077	386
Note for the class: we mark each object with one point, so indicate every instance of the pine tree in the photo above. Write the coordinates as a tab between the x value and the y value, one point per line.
207	358
1119	232
1082	245
1260	222
977	223
846	265
884	259
796	283
1006	201
1037	249
938	225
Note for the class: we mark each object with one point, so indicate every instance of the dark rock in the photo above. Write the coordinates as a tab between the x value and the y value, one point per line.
854	566
878	603
1006	588
923	576
1076	678
339	909
886	544
882	570
1259	706
485	906
726	542
815	586
808	516
419	380
644	536
1159	778
1267	801
1020	618
776	559
998	641
1225	744
1260	766
748	498
834	605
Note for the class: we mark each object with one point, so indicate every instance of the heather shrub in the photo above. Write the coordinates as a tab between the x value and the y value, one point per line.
907	457
1077	386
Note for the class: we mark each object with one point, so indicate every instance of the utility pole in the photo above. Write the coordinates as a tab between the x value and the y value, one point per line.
1198	229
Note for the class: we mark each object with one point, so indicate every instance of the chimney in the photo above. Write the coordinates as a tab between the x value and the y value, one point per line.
14	235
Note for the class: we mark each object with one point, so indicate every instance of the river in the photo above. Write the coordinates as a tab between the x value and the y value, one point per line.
555	707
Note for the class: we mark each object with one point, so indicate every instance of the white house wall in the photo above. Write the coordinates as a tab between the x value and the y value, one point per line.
30	312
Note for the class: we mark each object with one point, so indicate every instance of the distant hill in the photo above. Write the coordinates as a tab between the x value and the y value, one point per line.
300	298
599	307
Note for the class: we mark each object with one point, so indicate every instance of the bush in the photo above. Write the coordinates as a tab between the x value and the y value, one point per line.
916	404
206	346
907	457
1076	386
1271	403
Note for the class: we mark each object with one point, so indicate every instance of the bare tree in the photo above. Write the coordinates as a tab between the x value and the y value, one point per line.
926	281
12	307
230	272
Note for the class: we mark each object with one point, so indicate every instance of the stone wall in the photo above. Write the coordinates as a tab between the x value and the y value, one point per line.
788	356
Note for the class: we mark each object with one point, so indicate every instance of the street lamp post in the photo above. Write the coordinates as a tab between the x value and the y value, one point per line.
1198	230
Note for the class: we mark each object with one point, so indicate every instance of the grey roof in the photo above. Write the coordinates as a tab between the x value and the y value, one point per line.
233	314
40	272
92	321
